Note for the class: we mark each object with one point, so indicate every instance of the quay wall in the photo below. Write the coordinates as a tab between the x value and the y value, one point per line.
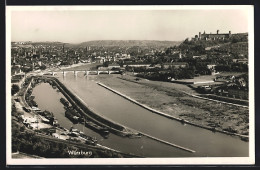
26	90
171	117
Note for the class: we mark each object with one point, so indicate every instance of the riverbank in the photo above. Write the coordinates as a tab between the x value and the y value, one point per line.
169	98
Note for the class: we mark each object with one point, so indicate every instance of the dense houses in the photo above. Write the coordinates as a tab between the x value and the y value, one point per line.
206	53
18	79
234	86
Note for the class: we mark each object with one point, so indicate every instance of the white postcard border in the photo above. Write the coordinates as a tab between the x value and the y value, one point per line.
133	161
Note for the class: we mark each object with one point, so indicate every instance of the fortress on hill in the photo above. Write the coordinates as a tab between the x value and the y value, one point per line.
210	36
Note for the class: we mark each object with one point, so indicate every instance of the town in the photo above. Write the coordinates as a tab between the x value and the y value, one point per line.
208	67
206	54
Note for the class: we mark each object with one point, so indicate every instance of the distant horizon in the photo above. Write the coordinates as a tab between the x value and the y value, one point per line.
75	26
119	39
97	40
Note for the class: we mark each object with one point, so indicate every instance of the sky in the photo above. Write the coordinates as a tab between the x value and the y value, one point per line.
75	26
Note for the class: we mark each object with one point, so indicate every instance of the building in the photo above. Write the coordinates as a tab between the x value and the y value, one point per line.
211	66
137	65
203	57
113	65
242	60
174	65
210	36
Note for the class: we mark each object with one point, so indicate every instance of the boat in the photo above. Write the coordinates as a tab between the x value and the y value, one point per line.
244	138
96	128
55	123
36	109
134	135
26	109
70	116
73	134
75	130
64	102
89	140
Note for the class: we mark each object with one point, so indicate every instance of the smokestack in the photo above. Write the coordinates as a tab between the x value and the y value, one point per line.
217	31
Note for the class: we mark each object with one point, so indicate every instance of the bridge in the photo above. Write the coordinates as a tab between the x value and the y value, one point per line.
86	72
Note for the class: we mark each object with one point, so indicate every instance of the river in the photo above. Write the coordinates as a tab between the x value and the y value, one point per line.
118	109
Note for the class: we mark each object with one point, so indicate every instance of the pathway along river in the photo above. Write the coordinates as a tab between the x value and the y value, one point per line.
114	107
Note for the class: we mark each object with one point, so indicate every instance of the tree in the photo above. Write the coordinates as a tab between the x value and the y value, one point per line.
15	89
105	64
235	40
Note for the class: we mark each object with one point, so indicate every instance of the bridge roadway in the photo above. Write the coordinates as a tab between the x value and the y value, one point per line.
86	72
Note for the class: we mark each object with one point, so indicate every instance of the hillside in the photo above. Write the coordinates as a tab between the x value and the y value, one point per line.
129	43
237	44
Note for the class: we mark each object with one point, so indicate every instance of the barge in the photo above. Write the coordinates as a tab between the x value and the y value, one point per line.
64	102
88	139
71	117
102	131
